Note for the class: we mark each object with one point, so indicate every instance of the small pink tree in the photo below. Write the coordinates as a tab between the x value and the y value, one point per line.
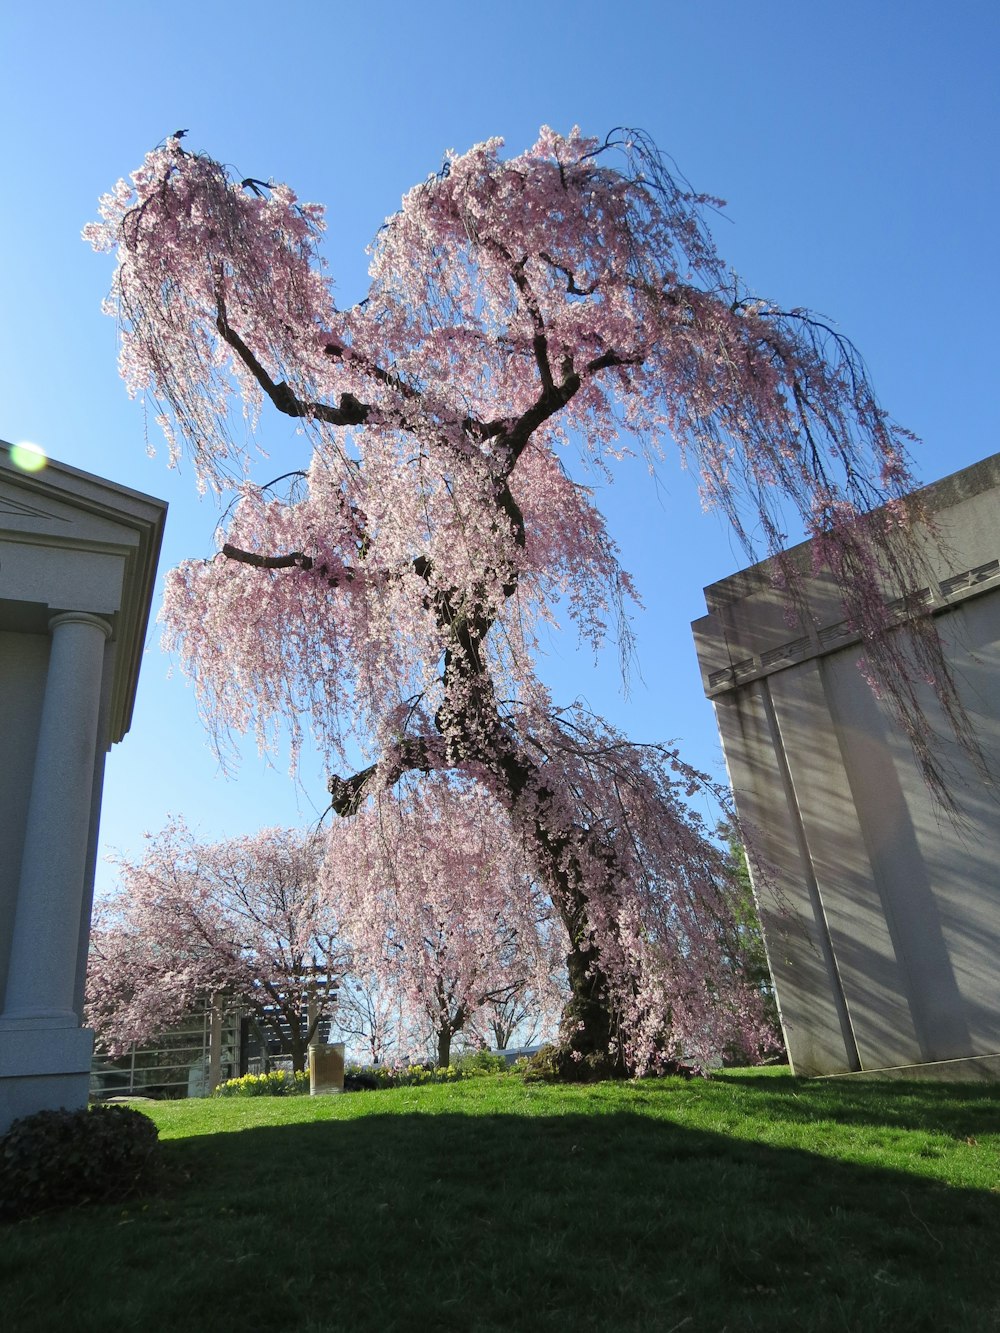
532	1005
437	900
525	1014
568	297
370	1014
190	919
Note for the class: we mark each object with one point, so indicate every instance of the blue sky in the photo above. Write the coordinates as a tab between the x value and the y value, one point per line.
854	142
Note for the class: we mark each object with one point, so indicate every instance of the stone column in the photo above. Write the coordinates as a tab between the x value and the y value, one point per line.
43	957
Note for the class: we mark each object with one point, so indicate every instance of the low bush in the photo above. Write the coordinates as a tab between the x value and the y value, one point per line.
414	1075
481	1062
364	1078
278	1083
542	1067
370	1077
55	1159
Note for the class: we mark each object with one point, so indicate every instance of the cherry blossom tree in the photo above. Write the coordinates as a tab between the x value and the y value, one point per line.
244	917
388	593
437	899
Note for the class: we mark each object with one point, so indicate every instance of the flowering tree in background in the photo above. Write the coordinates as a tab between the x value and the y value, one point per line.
370	1015
743	933
527	1010
524	1015
392	593
190	919
437	899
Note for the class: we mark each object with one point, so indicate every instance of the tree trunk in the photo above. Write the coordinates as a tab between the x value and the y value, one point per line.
588	1048
444	1047
501	1034
473	731
300	1047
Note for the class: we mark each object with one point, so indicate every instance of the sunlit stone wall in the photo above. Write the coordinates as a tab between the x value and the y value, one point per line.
881	916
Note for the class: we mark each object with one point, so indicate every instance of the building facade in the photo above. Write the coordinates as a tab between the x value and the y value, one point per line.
77	562
881	914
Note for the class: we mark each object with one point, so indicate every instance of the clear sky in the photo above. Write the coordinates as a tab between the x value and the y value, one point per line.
854	140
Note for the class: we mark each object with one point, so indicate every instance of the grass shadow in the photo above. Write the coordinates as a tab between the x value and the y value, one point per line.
959	1110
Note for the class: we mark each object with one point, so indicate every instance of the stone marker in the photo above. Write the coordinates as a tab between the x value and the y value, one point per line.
326	1067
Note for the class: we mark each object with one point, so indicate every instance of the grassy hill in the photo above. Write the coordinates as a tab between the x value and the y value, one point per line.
751	1201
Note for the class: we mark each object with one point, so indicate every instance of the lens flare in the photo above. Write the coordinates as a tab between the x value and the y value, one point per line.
28	457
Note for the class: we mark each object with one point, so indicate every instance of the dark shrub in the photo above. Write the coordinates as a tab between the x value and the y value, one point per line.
57	1158
360	1081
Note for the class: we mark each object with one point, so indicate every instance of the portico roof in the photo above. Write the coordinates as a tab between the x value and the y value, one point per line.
72	541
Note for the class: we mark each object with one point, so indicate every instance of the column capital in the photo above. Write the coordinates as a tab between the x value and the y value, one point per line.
79	618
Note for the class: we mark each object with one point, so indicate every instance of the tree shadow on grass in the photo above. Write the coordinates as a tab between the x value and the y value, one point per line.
447	1221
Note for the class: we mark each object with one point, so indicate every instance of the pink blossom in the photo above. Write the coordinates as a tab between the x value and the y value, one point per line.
243	918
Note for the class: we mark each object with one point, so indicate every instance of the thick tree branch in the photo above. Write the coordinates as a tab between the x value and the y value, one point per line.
338	352
412	754
540	344
294	559
550	401
571	286
351	412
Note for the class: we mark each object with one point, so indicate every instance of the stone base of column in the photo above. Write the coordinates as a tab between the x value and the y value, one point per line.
41	1068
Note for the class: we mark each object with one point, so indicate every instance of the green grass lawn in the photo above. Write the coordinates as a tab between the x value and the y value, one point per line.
751	1201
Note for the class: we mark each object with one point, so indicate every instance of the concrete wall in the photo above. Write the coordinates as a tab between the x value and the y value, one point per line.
881	916
77	561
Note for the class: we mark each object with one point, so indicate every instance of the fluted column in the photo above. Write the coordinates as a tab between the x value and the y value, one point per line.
43	957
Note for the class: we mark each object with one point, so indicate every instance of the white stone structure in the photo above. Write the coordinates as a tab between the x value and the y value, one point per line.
881	917
77	562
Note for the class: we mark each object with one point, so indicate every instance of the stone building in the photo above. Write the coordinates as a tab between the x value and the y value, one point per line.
881	915
77	562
